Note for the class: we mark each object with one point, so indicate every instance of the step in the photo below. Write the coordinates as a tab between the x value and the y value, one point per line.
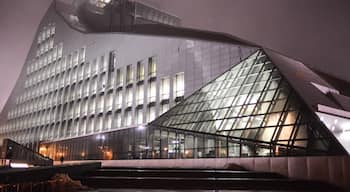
204	183
182	173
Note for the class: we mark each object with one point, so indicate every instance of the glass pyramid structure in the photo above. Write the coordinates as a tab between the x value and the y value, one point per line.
253	102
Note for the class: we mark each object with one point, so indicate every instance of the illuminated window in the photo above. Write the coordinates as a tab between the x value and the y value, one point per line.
87	70
128	117
103	82
39	38
92	105
86	89
93	86
118	100
179	85
164	108
140	71
74	75
48	32
60	50
129	97
99	125
82	55
103	63
100	104
53	29
83	126
140	95
108	125
109	103
151	113
85	106
91	125
139	116
152	67
152	91
49	57
49	45
94	67
118	120
164	88
75	58
75	128
69	62
80	73
129	74
119	77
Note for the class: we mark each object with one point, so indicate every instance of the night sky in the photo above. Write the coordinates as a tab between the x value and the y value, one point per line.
315	32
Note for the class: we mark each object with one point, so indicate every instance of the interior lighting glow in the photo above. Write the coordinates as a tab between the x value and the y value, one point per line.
19	165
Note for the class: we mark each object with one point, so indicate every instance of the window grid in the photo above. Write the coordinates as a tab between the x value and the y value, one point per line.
250	101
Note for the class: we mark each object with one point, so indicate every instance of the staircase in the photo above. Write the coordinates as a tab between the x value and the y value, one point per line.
204	179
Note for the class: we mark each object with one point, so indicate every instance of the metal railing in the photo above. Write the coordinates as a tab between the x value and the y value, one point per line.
16	152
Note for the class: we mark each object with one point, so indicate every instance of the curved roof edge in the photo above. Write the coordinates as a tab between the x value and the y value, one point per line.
156	29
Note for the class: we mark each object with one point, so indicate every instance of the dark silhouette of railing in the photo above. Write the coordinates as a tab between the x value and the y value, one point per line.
16	152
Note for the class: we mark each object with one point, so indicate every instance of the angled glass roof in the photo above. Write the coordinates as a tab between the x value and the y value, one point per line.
251	101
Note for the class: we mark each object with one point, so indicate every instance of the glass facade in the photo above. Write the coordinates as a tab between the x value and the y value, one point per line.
248	111
251	101
93	96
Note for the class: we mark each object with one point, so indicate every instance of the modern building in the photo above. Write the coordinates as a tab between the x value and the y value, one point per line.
123	80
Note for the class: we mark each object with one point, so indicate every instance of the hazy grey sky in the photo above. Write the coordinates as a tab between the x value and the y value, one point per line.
18	22
313	31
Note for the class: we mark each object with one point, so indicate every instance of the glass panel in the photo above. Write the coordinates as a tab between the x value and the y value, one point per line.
179	85
165	88
140	71
152	67
129	74
285	134
152	91
140	95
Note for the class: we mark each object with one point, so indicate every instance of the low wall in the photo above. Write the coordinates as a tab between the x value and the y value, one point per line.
331	169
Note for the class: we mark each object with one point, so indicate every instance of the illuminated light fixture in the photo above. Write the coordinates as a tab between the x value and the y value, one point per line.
322	118
333	127
100	137
19	165
141	127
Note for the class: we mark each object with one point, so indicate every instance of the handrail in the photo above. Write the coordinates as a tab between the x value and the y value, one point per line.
14	151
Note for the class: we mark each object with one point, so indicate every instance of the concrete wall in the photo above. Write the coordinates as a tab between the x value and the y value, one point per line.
332	169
